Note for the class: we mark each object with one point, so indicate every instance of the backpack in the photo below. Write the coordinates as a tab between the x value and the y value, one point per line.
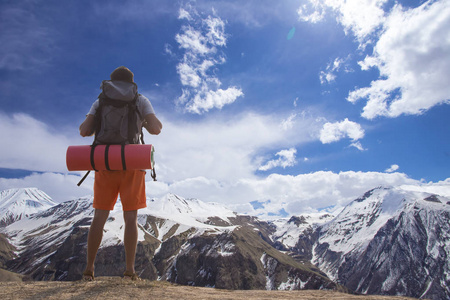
117	119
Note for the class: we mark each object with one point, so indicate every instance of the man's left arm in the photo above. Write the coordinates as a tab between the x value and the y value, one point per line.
152	124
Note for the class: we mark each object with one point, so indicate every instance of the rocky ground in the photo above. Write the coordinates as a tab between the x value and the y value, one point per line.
116	288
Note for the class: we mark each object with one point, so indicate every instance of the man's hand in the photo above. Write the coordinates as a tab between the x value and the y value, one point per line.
87	127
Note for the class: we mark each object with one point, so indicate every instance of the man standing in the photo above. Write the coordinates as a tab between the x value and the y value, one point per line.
130	184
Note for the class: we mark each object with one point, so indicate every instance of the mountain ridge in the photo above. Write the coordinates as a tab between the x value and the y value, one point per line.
388	243
182	241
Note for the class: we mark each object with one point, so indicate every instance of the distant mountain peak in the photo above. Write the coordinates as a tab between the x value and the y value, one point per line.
369	193
18	203
180	209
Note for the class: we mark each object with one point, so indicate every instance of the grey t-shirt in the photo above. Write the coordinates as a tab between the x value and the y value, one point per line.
143	105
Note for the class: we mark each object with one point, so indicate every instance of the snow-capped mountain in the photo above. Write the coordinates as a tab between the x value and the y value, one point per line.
171	215
181	240
192	212
289	231
18	203
393	241
298	234
390	241
168	213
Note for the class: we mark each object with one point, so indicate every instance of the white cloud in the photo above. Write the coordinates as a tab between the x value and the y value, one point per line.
412	56
411	47
223	148
201	40
358	146
441	188
392	168
333	132
194	41
198	185
312	11
32	145
309	192
289	122
329	75
362	17
295	194
286	158
184	14
216	31
206	99
188	75
326	77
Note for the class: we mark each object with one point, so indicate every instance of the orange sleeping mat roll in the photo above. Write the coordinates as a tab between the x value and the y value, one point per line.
110	157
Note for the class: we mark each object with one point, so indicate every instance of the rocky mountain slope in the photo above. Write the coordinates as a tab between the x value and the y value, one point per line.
392	241
184	241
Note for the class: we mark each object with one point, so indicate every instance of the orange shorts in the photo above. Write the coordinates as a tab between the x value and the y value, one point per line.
130	184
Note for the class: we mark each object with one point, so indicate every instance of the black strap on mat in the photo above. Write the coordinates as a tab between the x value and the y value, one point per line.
107	158
84	177
153	174
92	165
92	157
124	165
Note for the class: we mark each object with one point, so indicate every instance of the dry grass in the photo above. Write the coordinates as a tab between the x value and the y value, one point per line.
9	276
116	288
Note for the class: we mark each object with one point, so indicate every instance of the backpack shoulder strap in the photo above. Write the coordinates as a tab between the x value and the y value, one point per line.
98	116
133	116
141	117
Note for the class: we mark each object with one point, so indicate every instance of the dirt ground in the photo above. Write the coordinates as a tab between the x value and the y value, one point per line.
116	288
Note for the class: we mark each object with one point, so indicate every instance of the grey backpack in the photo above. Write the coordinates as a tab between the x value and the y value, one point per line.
117	118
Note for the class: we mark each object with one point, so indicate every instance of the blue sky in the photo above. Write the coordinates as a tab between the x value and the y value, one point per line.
297	104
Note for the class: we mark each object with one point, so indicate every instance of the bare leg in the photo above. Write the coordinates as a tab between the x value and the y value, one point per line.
95	237
130	239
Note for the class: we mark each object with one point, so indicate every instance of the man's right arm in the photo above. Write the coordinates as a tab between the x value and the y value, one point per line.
87	127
